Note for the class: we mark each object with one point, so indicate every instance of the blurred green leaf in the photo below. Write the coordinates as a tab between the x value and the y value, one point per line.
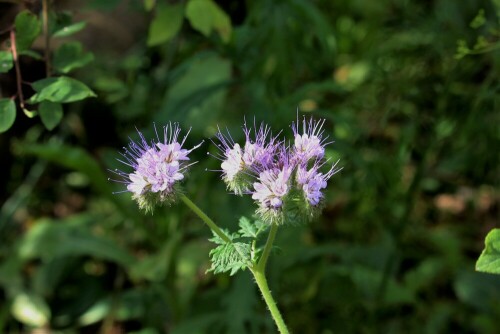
155	267
27	30
69	29
479	20
11	275
199	92
61	89
50	239
240	303
166	24
478	290
77	159
489	261
368	280
198	325
423	275
6	61
30	310
206	16
51	114
70	56
130	304
149	4
7	114
31	53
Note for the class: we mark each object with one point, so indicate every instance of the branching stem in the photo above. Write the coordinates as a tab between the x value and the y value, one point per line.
258	270
267	248
213	226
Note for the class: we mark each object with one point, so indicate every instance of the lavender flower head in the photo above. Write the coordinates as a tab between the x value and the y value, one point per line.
241	165
158	167
284	180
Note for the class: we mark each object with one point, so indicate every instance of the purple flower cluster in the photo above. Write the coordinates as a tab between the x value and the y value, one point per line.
240	164
157	167
282	178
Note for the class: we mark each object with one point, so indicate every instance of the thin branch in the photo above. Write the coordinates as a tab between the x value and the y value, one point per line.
45	16
19	79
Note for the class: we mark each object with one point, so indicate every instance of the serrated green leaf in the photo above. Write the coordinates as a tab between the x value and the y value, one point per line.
70	29
230	257
51	114
30	310
6	61
206	16
489	261
61	89
166	24
7	114
28	28
70	56
247	229
251	229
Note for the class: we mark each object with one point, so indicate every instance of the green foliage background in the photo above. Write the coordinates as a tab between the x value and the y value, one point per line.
414	121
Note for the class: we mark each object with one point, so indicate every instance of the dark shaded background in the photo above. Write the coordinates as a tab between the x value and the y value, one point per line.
416	130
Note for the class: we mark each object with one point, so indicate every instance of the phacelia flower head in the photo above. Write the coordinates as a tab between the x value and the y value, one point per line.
240	165
284	179
157	167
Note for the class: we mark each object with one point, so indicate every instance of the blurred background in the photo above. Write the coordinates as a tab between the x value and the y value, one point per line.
409	90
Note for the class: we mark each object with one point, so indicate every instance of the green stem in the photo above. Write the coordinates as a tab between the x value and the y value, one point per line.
267	249
261	281
205	218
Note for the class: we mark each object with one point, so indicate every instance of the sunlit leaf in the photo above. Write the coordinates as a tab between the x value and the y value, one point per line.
30	310
489	261
69	29
166	24
61	89
206	16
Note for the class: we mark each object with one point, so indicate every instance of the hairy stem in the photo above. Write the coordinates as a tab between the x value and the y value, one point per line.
205	218
260	279
259	272
267	249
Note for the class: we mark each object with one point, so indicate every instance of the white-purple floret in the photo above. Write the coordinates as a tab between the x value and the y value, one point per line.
309	144
157	166
239	163
272	186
